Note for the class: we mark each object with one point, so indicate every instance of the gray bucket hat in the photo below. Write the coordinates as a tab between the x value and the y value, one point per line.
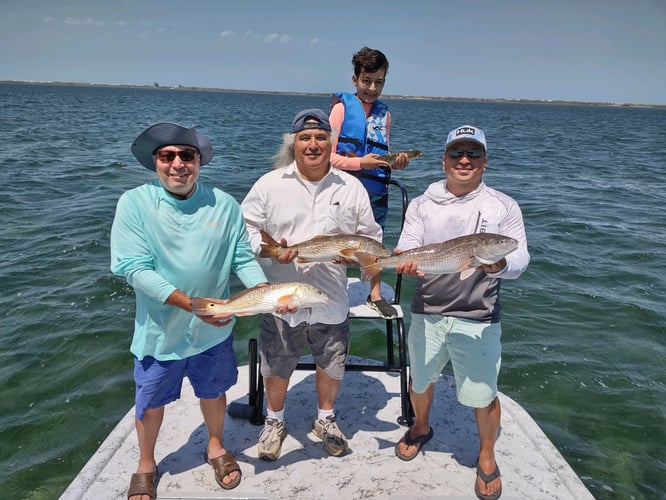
166	134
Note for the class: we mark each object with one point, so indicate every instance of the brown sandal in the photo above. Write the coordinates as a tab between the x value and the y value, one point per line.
223	466
142	484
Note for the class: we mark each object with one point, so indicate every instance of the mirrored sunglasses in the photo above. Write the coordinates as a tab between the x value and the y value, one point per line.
472	154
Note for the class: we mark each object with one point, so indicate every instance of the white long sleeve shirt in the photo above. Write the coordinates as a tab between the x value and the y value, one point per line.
285	206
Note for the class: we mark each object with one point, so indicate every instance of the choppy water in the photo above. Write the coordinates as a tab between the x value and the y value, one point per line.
584	327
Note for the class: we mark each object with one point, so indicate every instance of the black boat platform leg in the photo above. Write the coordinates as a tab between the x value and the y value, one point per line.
254	409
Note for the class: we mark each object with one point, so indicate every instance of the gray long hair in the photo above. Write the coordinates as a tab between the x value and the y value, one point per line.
285	155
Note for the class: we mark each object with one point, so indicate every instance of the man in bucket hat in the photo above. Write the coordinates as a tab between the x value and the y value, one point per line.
172	239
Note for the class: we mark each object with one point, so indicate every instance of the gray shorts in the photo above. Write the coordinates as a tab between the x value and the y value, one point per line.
281	346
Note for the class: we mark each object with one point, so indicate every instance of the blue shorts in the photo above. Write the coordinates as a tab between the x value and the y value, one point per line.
211	374
281	346
473	347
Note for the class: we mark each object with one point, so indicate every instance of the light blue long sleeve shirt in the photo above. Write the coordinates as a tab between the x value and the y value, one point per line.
160	244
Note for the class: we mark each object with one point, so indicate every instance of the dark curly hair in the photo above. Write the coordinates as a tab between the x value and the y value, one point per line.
369	60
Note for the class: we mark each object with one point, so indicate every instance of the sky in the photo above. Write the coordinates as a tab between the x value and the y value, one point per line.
584	50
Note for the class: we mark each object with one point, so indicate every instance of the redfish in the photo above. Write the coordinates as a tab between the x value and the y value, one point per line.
458	255
325	248
262	299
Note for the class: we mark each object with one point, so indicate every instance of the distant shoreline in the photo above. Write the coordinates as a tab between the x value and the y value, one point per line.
386	96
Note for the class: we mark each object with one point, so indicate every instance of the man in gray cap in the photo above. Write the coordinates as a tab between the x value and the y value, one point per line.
172	239
301	198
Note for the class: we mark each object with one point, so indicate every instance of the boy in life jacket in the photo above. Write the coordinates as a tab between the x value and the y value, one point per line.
363	123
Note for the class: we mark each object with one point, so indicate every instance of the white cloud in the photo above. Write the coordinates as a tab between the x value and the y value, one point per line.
74	21
277	37
227	34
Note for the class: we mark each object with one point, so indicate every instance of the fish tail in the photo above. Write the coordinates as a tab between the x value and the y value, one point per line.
369	264
269	247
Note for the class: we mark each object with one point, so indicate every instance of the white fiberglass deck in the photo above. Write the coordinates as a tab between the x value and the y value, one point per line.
367	408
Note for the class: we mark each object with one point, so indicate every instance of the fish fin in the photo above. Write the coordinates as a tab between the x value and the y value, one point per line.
369	265
468	267
238	295
287	299
467	273
302	260
348	253
269	247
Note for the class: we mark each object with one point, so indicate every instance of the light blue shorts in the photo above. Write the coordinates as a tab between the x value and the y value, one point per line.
473	347
211	374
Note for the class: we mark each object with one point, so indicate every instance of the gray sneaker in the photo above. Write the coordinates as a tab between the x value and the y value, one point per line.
335	442
383	308
270	439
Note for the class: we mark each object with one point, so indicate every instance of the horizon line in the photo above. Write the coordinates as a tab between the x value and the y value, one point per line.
157	86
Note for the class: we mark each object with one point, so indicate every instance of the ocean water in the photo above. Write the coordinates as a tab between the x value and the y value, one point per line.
584	327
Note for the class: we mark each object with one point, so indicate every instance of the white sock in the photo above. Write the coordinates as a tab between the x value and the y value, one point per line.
322	414
277	415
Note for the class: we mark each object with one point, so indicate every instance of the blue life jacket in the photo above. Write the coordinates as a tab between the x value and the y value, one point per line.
362	136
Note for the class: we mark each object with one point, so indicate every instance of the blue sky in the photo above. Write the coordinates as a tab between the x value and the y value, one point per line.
583	50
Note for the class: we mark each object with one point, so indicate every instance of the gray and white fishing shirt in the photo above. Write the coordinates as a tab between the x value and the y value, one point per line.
437	216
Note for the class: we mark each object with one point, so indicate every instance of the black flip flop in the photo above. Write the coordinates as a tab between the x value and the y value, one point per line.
487	478
418	441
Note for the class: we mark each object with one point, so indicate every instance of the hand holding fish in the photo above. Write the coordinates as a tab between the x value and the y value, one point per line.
371	160
495	267
409	267
219	319
400	159
288	255
400	162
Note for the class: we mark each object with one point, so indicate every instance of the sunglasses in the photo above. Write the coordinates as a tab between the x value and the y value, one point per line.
185	155
472	154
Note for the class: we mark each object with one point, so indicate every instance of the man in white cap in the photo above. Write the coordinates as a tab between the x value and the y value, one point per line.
172	239
459	320
302	198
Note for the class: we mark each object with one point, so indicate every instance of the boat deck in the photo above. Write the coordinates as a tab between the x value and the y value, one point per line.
367	409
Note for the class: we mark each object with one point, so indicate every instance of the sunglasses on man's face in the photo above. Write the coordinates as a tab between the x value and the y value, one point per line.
472	154
169	156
